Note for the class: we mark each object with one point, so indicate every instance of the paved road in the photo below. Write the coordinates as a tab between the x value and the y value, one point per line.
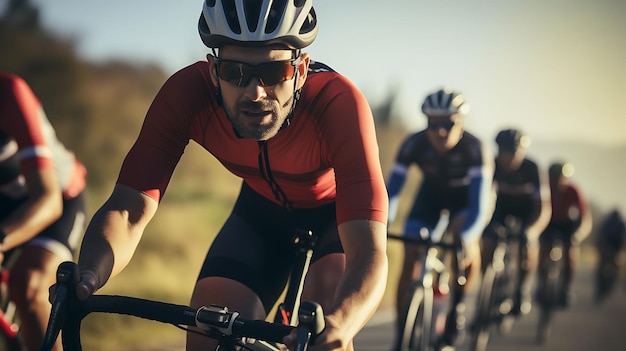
584	326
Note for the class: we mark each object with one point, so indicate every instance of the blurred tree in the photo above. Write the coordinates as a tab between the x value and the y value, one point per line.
95	109
21	14
49	64
382	111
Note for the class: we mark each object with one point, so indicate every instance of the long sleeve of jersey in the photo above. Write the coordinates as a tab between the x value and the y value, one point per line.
394	187
480	201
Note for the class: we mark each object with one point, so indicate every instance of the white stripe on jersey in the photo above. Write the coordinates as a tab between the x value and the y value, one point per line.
35	151
400	169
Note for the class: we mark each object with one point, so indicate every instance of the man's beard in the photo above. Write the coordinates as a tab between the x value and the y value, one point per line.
260	131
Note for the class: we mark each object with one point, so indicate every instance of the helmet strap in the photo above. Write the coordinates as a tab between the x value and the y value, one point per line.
218	88
296	94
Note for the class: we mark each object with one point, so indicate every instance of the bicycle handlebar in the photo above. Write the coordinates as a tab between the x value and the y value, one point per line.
68	312
456	246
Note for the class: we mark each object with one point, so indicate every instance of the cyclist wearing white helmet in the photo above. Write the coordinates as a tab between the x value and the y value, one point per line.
302	138
456	178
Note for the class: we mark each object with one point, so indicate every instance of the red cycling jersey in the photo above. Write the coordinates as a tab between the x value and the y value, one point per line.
327	153
27	134
567	204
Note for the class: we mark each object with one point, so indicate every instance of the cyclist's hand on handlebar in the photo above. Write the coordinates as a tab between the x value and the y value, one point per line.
332	338
87	285
471	251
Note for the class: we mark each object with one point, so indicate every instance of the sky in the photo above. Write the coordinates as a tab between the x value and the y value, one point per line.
556	69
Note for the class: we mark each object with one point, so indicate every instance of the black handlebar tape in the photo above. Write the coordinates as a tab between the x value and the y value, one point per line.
153	310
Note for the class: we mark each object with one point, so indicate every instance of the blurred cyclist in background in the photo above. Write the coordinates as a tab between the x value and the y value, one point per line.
571	222
457	173
610	242
522	196
42	209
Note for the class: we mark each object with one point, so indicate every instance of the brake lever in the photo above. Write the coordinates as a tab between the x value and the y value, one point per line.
67	278
310	324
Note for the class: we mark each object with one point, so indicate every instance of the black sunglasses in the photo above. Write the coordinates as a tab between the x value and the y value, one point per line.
268	73
447	125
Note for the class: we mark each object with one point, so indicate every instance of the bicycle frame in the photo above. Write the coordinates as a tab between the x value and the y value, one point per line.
435	273
287	311
8	327
551	288
500	281
506	264
7	313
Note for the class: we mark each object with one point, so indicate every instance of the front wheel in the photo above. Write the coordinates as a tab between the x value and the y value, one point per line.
482	322
606	277
549	299
416	331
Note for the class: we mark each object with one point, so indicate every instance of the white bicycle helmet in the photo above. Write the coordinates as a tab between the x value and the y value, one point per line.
445	102
258	23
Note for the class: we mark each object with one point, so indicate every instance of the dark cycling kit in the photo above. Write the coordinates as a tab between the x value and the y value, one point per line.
320	171
518	193
28	142
454	181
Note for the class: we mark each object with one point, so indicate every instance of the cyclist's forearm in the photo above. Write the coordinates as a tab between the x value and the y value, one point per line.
539	222
42	207
107	246
584	229
364	281
114	233
359	295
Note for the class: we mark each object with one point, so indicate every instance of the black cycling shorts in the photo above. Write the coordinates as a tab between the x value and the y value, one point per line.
61	237
254	247
560	231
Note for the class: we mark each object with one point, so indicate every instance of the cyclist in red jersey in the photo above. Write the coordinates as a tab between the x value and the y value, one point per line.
42	209
571	222
301	137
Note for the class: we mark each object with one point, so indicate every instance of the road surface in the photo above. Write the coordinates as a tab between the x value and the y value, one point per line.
583	326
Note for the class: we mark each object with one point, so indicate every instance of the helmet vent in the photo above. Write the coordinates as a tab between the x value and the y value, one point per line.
231	15
298	3
275	15
252	8
310	22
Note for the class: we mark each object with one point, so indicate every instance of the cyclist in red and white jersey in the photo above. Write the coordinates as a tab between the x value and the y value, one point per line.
571	222
42	210
456	178
301	137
